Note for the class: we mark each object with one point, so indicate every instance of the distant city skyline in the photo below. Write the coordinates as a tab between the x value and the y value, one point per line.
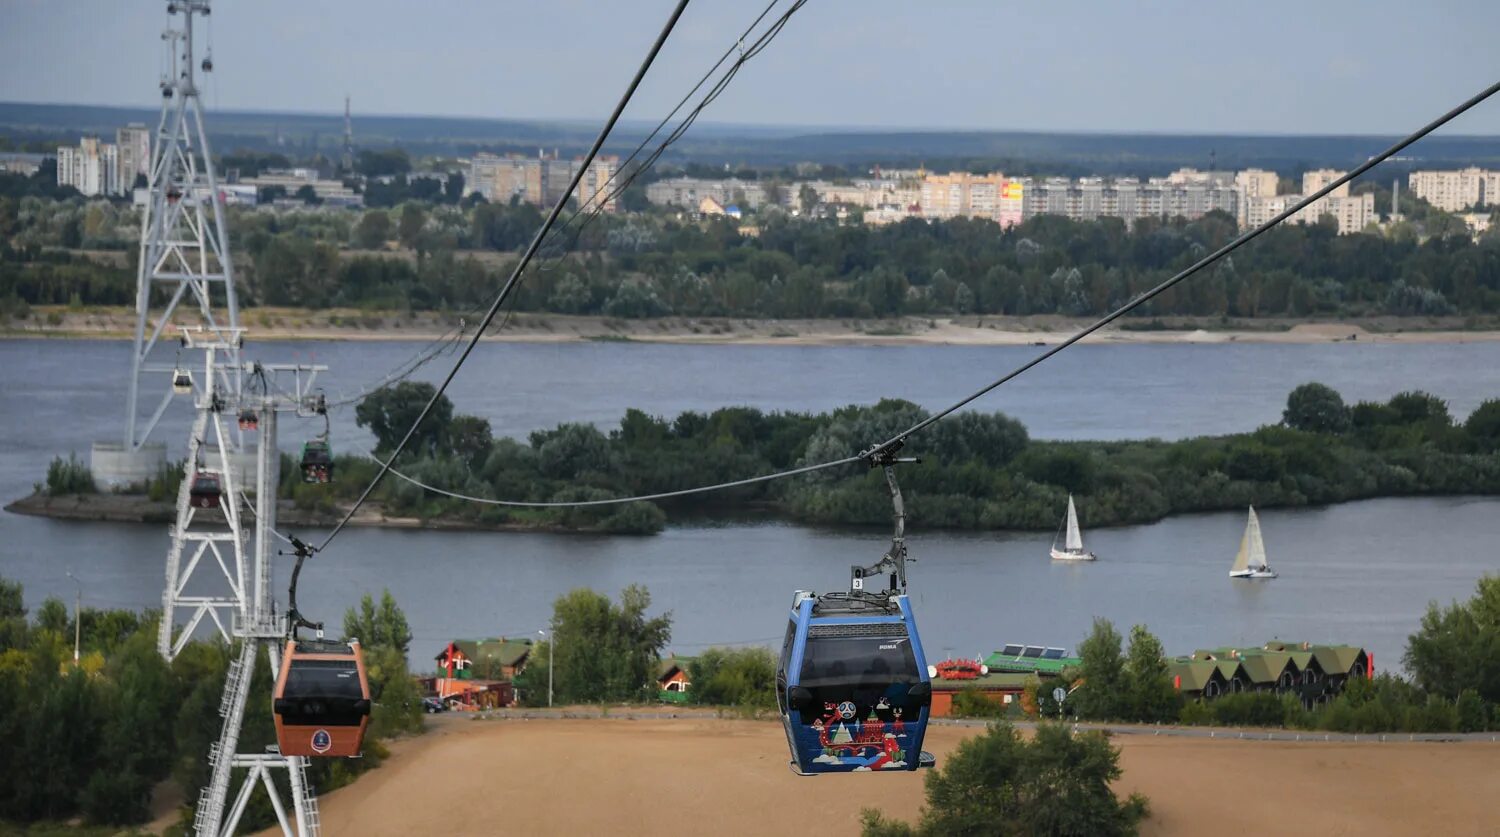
1175	67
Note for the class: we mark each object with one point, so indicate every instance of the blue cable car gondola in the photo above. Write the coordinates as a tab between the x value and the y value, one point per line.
852	684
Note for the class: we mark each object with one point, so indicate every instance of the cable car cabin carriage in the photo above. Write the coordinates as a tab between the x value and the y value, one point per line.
852	684
317	461
248	420
182	381
322	699
206	491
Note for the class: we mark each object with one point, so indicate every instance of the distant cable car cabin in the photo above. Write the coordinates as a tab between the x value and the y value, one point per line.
852	684
182	381
317	461
249	420
322	703
205	492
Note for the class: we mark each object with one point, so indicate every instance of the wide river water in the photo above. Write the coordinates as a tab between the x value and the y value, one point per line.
1361	573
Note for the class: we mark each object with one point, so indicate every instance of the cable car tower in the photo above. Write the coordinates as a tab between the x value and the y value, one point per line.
185	261
244	609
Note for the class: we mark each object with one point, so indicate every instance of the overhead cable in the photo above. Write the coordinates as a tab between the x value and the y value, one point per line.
515	275
889	445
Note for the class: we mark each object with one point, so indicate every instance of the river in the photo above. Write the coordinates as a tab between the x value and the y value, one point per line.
1359	573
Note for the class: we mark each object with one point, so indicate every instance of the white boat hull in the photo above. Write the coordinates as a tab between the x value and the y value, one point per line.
1266	573
1064	555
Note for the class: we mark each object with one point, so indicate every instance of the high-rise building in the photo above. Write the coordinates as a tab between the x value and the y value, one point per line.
134	142
962	194
92	167
499	179
594	187
1253	183
1455	191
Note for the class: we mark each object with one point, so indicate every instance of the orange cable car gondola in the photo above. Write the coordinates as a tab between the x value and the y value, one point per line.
322	704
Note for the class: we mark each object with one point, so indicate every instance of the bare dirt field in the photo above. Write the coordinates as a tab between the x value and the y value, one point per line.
704	776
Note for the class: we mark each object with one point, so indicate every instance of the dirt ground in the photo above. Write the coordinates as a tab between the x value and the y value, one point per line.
730	777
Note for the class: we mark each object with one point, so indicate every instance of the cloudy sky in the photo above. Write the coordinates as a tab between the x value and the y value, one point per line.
1271	66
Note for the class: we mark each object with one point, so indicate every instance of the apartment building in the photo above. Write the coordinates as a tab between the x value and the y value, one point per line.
1455	191
689	192
1353	212
594	187
92	167
1091	198
962	194
134	144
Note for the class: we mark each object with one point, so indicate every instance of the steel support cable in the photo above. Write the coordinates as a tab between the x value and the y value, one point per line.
515	275
554	244
896	441
1244	238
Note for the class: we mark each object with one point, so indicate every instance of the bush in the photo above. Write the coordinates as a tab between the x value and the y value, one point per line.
973	703
998	783
744	678
1316	408
69	476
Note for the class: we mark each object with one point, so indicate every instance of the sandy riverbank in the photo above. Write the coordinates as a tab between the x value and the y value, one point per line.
730	777
337	324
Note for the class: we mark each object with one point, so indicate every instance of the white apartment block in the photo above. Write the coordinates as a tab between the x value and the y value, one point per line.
1253	183
962	194
1455	191
689	192
93	167
1091	198
1353	212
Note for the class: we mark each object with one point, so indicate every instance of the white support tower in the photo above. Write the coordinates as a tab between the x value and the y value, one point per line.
185	262
210	540
258	626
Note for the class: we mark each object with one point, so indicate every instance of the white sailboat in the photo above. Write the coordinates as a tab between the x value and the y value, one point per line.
1073	542
1250	561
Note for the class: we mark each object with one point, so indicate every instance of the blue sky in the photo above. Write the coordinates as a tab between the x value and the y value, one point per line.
1272	66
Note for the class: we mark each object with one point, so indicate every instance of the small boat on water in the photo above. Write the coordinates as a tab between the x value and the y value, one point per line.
1073	539
1250	561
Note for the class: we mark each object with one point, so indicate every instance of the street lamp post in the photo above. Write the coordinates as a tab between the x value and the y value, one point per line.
77	618
551	656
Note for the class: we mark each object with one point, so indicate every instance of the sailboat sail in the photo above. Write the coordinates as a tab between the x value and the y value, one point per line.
1074	542
1242	558
1256	553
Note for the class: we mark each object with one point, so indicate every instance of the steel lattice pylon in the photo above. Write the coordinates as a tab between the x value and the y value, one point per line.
241	604
184	245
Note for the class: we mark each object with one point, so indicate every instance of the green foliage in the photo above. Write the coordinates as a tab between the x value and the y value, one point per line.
390	411
1457	648
606	652
972	703
385	626
1104	693
1316	408
1001	784
69	476
979	471
1150	696
743	677
1483	426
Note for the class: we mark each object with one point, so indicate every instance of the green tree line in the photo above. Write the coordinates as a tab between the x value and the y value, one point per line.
979	471
93	739
654	263
1453	683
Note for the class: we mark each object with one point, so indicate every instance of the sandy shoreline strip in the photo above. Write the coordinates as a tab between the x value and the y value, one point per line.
353	325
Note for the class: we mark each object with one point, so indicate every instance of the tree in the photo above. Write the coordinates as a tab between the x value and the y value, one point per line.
1457	648
1316	408
604	651
390	411
385	627
374	230
807	198
1152	698
308	195
743	677
1000	784
1483	426
469	439
1103	694
410	226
